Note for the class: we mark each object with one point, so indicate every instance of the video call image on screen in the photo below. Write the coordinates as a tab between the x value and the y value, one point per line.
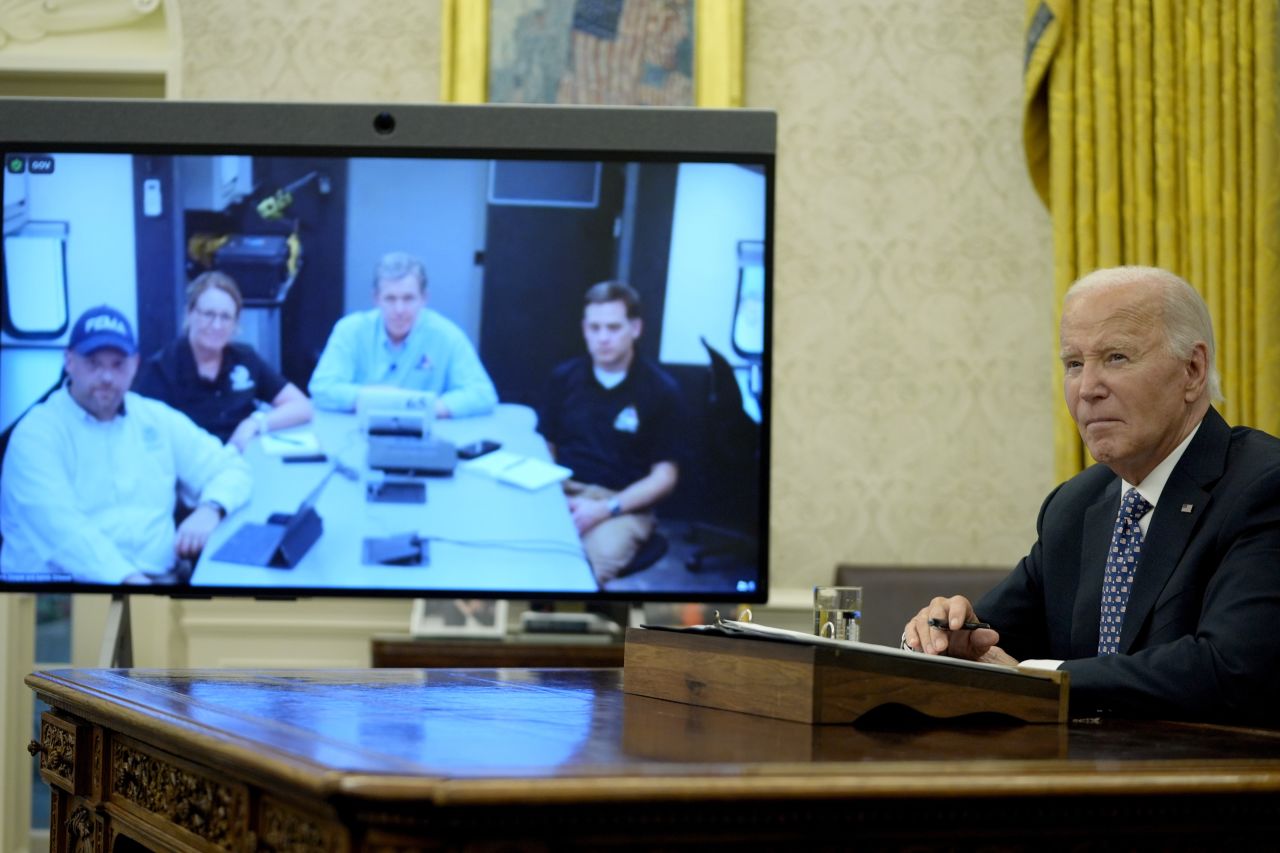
509	247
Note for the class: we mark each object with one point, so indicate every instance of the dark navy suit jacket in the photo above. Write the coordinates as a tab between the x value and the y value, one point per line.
1201	635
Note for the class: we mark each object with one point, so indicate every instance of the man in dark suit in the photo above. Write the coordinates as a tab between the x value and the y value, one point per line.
1155	580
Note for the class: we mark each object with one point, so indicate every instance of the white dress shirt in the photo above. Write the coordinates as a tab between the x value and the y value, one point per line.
94	499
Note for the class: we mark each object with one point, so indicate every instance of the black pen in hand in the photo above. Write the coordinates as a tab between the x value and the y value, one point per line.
941	625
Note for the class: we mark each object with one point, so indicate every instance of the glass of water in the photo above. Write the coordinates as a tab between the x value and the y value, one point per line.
837	611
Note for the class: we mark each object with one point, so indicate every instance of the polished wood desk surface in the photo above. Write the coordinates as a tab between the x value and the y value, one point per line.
394	745
461	732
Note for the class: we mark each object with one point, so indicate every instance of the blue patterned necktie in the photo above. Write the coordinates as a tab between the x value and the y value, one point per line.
1122	561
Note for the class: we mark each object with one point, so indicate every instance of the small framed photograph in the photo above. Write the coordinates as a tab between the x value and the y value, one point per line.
458	617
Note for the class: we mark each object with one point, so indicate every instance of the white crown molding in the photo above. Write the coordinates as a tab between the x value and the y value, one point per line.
33	20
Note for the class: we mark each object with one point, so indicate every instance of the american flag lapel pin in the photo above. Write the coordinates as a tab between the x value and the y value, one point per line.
1187	507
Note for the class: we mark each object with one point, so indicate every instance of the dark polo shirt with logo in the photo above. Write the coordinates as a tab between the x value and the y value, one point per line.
612	437
220	405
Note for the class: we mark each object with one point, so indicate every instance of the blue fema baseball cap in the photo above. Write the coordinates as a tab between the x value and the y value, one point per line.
101	327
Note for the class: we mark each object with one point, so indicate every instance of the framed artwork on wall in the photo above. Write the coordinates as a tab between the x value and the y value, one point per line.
634	52
458	617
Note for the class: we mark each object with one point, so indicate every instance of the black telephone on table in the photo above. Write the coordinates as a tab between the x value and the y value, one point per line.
477	448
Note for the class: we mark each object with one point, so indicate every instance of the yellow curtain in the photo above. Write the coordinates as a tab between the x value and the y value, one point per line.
1151	133
718	28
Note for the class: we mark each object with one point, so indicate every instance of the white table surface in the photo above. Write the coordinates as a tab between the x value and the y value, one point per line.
521	540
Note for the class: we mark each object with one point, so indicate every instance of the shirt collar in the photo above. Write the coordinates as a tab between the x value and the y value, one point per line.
1153	484
385	340
189	371
84	413
609	379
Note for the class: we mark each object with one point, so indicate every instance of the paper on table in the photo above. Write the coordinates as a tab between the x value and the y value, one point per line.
290	443
523	471
493	463
533	474
766	631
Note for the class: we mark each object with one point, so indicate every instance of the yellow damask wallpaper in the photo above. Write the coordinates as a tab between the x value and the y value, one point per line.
913	281
310	50
913	269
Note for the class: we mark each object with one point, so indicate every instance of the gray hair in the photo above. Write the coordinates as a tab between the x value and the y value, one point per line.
395	265
1185	316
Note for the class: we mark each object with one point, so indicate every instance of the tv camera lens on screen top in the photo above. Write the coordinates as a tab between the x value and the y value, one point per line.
514	212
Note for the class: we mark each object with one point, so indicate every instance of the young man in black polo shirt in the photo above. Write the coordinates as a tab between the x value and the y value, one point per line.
615	418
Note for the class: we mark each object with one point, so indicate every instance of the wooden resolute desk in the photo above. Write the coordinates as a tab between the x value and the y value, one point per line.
381	760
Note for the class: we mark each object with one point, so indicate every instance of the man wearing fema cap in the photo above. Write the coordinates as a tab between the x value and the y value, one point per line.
88	486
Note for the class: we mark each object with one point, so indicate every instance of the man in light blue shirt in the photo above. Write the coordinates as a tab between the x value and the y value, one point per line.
402	345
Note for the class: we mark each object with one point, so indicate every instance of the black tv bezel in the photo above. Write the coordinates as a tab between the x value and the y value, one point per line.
436	131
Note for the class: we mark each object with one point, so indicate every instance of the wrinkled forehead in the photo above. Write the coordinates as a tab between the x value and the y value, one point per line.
1106	313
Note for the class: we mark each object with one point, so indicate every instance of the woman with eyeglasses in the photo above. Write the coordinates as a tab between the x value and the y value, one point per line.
222	385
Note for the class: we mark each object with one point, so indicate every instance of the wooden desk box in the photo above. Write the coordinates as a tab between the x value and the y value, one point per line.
823	684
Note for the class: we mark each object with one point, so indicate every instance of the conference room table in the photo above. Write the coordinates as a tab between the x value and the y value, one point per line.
482	533
537	759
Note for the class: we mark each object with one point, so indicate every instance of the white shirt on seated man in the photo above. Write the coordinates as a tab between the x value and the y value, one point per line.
90	478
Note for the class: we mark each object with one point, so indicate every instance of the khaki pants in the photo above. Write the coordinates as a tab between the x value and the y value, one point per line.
612	544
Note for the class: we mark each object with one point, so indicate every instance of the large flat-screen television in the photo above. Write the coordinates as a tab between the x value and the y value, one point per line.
580	296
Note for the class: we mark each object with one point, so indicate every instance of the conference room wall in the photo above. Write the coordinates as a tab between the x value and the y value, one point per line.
99	268
433	209
912	275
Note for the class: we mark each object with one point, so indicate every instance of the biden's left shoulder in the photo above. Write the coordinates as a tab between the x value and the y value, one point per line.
1257	449
1251	475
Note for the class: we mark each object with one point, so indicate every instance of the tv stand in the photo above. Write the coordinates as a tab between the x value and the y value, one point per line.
117	638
